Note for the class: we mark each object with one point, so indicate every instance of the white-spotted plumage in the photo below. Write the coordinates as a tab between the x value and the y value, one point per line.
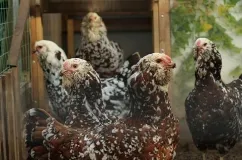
105	56
51	58
213	108
137	137
115	91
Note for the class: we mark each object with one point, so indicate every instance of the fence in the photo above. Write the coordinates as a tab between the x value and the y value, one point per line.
15	76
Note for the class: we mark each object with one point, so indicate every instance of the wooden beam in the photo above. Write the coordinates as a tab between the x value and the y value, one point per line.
114	14
164	26
3	119
70	38
18	108
8	91
18	33
156	30
67	7
38	87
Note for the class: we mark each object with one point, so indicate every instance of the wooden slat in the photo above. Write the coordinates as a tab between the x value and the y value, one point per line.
18	33
38	86
18	113
164	26
68	7
3	120
7	83
114	14
70	38
35	66
156	30
15	113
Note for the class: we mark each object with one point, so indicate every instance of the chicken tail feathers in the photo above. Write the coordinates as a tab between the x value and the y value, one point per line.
125	70
133	59
35	123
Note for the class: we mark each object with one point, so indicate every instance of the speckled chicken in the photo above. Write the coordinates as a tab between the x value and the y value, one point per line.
51	58
213	108
150	132
114	90
105	56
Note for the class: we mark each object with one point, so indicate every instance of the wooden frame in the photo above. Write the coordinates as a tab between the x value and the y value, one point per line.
161	26
38	87
69	7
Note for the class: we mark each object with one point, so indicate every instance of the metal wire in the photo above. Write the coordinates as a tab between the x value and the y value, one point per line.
25	55
8	18
6	31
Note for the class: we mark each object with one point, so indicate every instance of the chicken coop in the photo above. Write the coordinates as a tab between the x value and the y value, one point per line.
144	26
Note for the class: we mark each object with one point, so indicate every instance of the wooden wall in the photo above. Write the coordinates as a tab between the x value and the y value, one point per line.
75	6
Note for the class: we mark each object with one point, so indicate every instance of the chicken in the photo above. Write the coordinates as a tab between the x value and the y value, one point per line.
51	58
105	56
115	90
84	86
150	132
213	108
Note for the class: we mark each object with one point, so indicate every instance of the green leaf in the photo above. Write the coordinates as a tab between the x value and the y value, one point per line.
236	72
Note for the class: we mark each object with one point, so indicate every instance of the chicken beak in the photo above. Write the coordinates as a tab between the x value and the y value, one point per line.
172	65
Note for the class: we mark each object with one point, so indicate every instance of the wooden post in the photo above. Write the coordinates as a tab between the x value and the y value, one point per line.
18	33
10	116
156	33
38	86
161	26
3	120
70	38
161	29
164	26
18	108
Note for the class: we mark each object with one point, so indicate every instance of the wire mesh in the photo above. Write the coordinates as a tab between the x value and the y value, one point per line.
24	61
8	17
6	31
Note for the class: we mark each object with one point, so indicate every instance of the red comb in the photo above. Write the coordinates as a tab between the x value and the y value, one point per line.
198	42
168	58
65	64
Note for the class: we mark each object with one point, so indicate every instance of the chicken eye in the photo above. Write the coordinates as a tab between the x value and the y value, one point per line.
204	44
159	60
74	65
39	47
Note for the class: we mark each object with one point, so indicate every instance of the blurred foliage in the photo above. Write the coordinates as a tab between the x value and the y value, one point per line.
199	18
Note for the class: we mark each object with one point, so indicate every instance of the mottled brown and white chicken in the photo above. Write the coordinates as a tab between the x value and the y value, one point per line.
213	108
105	56
150	132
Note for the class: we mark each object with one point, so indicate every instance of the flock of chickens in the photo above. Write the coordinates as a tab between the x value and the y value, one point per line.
107	108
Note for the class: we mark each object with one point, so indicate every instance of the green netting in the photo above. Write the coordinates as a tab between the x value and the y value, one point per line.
6	31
